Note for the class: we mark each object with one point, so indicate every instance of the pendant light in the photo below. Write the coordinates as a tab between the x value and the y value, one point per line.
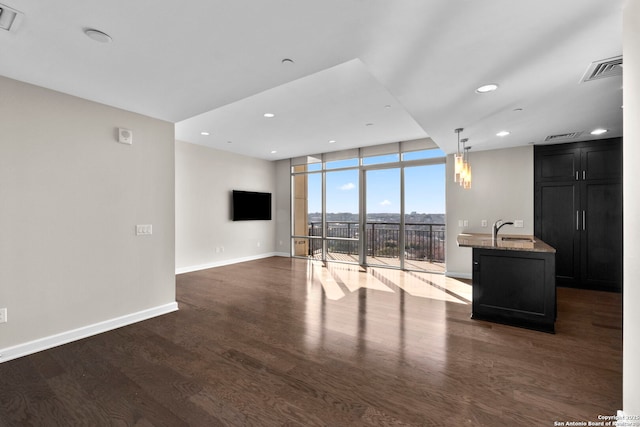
459	160
466	181
462	167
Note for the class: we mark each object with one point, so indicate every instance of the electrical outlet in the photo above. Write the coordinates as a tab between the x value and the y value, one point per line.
483	223
3	315
518	223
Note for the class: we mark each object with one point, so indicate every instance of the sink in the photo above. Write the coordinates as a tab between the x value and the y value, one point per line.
517	239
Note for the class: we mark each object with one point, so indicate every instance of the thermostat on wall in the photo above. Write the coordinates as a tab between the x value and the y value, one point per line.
125	136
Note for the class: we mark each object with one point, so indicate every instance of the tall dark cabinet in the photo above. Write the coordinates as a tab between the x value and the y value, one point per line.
578	211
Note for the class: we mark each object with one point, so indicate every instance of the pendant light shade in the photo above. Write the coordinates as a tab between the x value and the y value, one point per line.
466	175
462	168
466	181
458	160
459	163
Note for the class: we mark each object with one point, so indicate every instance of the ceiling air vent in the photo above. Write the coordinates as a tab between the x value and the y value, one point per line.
604	68
562	136
8	18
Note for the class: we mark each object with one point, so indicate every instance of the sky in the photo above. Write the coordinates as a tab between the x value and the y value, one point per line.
424	190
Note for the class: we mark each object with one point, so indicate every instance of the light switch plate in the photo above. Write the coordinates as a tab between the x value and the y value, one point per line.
518	223
144	229
3	315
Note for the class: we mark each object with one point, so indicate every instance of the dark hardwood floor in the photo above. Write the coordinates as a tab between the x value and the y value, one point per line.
284	341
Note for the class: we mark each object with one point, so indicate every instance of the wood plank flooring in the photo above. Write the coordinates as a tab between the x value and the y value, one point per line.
283	341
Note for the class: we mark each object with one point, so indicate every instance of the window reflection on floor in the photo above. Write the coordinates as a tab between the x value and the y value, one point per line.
351	310
337	280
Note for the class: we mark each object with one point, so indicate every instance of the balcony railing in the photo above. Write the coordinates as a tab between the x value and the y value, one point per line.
422	242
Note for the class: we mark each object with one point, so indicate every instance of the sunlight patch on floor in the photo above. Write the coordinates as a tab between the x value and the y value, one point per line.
317	273
339	279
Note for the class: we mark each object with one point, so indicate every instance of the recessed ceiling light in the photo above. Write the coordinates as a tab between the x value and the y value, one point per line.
273	151
97	35
369	124
387	106
229	142
205	133
517	109
332	141
599	131
9	18
487	88
287	61
269	115
503	133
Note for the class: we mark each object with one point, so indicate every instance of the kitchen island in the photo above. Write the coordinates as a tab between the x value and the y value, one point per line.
513	280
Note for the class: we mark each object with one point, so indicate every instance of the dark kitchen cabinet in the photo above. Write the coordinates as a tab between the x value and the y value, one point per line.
515	287
578	211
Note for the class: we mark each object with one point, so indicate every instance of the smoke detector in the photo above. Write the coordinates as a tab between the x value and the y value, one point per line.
9	18
609	67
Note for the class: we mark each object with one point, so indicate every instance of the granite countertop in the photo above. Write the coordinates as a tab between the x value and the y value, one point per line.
506	242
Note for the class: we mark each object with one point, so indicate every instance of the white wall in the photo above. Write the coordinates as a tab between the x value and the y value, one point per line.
631	155
502	188
205	234
70	197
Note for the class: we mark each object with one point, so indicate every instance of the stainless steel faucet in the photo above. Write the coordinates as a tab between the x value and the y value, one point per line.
497	226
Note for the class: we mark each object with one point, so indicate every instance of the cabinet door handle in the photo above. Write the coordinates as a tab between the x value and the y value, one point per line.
584	175
584	227
577	221
577	179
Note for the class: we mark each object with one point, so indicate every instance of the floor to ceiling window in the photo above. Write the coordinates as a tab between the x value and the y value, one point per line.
380	206
383	235
424	218
342	214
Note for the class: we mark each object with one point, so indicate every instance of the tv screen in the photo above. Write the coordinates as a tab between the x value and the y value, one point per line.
251	205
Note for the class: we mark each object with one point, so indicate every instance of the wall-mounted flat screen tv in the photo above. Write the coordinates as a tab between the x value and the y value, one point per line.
250	205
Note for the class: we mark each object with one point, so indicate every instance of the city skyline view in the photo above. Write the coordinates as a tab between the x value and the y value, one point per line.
424	190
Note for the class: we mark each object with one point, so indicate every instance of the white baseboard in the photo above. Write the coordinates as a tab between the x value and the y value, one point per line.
458	275
206	266
46	343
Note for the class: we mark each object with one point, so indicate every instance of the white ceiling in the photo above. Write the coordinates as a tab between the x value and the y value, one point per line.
364	72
